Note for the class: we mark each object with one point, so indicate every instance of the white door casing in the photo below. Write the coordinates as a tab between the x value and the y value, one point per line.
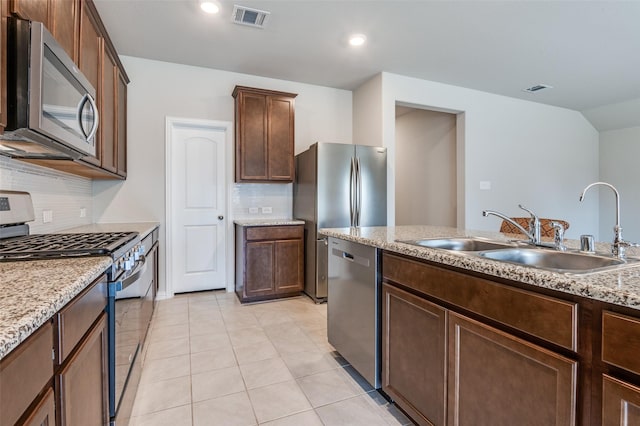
196	209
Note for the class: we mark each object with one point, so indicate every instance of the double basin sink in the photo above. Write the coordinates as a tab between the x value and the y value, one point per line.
570	262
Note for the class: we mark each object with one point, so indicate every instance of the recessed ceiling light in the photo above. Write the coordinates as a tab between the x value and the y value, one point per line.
209	6
357	39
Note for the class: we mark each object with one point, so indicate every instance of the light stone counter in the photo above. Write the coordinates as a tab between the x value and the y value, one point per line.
620	287
267	222
31	292
143	228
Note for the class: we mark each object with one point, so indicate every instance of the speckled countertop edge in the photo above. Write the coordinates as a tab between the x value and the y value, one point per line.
619	287
267	222
32	292
142	228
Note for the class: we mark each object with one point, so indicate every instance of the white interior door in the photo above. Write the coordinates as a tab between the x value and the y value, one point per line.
196	194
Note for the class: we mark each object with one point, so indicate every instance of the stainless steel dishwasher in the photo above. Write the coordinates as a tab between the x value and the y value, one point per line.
353	306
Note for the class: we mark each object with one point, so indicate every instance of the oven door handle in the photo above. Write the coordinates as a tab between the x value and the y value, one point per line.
135	275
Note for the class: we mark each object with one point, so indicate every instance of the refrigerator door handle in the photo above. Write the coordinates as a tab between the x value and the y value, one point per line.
358	191
352	195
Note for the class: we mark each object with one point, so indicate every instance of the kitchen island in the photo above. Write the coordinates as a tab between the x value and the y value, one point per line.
469	340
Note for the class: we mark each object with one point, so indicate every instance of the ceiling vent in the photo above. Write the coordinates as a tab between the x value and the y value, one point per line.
251	17
537	88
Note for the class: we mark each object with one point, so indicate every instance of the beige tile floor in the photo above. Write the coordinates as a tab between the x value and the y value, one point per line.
212	361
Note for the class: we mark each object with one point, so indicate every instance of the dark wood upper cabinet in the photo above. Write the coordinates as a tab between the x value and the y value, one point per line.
264	135
64	23
77	27
32	10
121	123
108	152
89	55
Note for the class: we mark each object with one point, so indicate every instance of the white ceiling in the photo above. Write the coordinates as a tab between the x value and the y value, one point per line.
589	51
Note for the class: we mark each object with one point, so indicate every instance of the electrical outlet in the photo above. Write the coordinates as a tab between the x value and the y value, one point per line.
253	210
47	216
83	212
267	210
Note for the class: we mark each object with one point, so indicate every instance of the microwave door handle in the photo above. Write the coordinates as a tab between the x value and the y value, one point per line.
96	114
88	98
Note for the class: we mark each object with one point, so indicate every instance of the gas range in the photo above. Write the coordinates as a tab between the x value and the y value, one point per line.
128	285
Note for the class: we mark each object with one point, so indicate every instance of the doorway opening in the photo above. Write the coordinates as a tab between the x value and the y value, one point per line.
426	164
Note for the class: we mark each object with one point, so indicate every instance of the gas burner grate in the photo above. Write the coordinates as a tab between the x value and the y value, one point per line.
47	246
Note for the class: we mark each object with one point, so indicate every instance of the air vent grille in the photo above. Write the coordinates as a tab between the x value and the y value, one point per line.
537	88
251	17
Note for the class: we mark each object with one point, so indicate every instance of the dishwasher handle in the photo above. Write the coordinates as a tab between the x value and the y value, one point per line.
353	258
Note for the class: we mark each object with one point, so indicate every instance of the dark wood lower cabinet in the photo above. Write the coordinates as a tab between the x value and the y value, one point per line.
45	412
620	403
497	379
82	382
269	261
414	349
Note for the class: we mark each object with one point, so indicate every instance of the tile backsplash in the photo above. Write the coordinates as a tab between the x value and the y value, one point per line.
63	194
250	199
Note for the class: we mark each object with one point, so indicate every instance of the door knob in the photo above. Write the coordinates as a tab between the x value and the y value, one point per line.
220	217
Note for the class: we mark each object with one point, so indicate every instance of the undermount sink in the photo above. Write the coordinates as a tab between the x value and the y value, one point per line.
459	244
530	256
576	263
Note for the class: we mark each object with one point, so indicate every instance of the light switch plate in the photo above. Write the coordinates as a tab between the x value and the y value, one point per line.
253	210
485	184
267	210
47	216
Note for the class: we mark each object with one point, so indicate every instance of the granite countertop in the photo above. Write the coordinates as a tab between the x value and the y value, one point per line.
267	222
620	287
31	292
143	228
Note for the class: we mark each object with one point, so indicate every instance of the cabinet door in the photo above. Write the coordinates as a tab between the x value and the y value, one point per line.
414	355
259	269
620	403
280	138
32	10
488	367
90	47
44	414
64	25
82	382
121	125
108	155
251	146
288	266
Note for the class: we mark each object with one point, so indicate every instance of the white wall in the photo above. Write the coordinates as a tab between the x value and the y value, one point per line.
426	168
538	155
619	154
160	89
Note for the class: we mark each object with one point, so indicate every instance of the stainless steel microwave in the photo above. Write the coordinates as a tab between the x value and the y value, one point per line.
51	106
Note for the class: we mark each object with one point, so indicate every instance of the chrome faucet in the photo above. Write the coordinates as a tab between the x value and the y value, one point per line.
619	245
533	233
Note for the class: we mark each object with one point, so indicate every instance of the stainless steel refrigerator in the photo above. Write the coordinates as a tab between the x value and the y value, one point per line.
337	185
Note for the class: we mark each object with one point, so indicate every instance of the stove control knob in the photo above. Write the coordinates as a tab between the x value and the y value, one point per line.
138	252
128	264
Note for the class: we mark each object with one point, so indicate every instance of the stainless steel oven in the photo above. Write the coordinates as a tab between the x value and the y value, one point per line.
129	282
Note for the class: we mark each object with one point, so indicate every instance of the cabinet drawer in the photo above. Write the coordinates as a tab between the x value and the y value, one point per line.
76	317
24	373
545	317
621	341
274	232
